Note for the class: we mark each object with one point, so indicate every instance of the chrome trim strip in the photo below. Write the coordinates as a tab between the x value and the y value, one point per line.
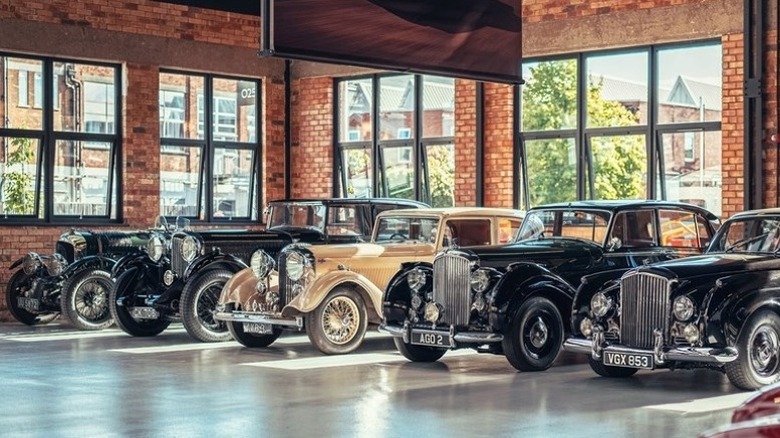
296	322
464	337
705	355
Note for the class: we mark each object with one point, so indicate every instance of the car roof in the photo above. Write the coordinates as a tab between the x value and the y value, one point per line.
455	211
325	201
626	204
762	212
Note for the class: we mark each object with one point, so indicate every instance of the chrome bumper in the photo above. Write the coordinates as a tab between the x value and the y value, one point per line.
259	318
454	337
661	355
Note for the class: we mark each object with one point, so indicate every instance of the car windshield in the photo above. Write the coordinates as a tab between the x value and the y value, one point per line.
297	216
577	224
401	229
753	235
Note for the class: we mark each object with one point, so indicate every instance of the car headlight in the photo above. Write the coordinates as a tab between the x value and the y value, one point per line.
295	265
480	280
600	304
190	248
691	333
31	263
155	247
586	327
56	265
416	279
432	313
261	263
683	308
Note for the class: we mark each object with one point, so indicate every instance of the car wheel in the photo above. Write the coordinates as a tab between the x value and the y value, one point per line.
125	289
19	284
339	324
418	353
610	371
758	346
252	340
84	299
535	335
198	304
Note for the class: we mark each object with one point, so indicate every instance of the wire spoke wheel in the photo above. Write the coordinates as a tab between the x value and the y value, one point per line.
340	320
92	301
207	302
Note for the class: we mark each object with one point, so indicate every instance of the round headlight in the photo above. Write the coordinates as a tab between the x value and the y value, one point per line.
56	265
683	308
586	327
691	333
432	313
295	265
480	280
261	263
155	247
31	263
416	301
600	304
168	277
189	248
416	279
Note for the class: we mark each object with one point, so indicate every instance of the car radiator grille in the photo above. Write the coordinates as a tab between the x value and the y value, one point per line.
644	307
66	250
178	265
285	284
452	288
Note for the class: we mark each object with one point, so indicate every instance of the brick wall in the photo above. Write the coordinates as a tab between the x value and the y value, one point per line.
465	143
732	126
312	140
498	175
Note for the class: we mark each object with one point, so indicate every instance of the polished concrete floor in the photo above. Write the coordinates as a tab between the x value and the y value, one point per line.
60	382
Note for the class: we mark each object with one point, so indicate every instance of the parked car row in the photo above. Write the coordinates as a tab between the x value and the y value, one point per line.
632	284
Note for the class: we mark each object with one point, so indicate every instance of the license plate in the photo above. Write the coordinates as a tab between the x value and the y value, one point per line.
430	339
628	360
29	304
257	328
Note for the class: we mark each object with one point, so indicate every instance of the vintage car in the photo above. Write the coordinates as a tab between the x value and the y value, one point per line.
74	281
720	310
180	274
335	291
758	416
516	299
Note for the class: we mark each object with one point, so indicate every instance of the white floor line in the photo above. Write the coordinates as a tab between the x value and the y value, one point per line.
178	347
65	336
343	360
702	405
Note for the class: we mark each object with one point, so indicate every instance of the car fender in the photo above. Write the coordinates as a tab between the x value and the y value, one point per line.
398	297
15	264
95	262
133	259
315	293
213	261
734	298
242	287
589	286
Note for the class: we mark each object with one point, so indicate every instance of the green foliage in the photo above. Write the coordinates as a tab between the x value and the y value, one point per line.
16	182
441	170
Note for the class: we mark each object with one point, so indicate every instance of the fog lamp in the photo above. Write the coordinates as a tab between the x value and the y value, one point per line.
432	313
416	301
586	327
691	333
168	277
479	303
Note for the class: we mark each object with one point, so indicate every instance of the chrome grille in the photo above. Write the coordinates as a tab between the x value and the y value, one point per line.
178	265
644	307
452	288
285	284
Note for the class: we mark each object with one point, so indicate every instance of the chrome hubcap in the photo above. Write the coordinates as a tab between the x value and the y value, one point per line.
539	333
764	351
340	320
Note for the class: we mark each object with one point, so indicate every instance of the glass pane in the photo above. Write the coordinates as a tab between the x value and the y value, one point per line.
81	178
438	106
690	84
232	174
398	172
619	167
355	107
87	98
617	89
179	180
396	107
552	170
635	229
19	175
549	95
680	229
356	164
181	98
686	178
234	101
16	101
440	161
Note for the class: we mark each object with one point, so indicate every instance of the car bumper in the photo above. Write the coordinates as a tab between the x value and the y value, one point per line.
453	337
661	355
260	318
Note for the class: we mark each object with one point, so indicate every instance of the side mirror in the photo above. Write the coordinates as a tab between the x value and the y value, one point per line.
614	244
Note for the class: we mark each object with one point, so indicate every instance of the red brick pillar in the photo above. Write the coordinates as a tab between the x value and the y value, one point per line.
312	137
465	143
273	143
733	169
498	174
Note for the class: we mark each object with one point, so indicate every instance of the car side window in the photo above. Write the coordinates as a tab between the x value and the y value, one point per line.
507	230
466	232
679	229
634	229
344	221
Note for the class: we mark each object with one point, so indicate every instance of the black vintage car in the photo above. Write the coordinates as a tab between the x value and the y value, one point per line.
181	274
73	281
516	299
720	310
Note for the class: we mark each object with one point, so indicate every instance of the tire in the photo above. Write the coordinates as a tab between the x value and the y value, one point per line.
418	353
84	299
338	325
758	343
198	304
17	286
125	285
535	335
610	371
252	340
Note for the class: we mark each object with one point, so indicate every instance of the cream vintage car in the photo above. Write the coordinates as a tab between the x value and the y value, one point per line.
334	292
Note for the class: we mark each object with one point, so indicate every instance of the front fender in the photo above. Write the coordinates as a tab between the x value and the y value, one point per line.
135	259
94	262
589	285
397	298
518	276
315	293
15	264
735	298
242	289
218	260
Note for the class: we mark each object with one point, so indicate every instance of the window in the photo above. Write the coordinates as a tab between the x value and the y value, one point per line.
81	180
23	90
209	165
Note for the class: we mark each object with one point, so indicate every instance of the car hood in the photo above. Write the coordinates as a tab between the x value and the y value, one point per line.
371	250
532	250
718	263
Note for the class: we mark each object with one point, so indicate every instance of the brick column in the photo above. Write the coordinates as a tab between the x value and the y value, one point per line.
498	175
465	143
312	137
273	143
733	169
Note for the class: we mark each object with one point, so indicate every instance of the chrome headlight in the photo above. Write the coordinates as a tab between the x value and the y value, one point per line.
683	308
31	263
190	248
295	265
261	263
155	247
416	279
56	265
480	280
586	327
600	304
432	313
691	333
